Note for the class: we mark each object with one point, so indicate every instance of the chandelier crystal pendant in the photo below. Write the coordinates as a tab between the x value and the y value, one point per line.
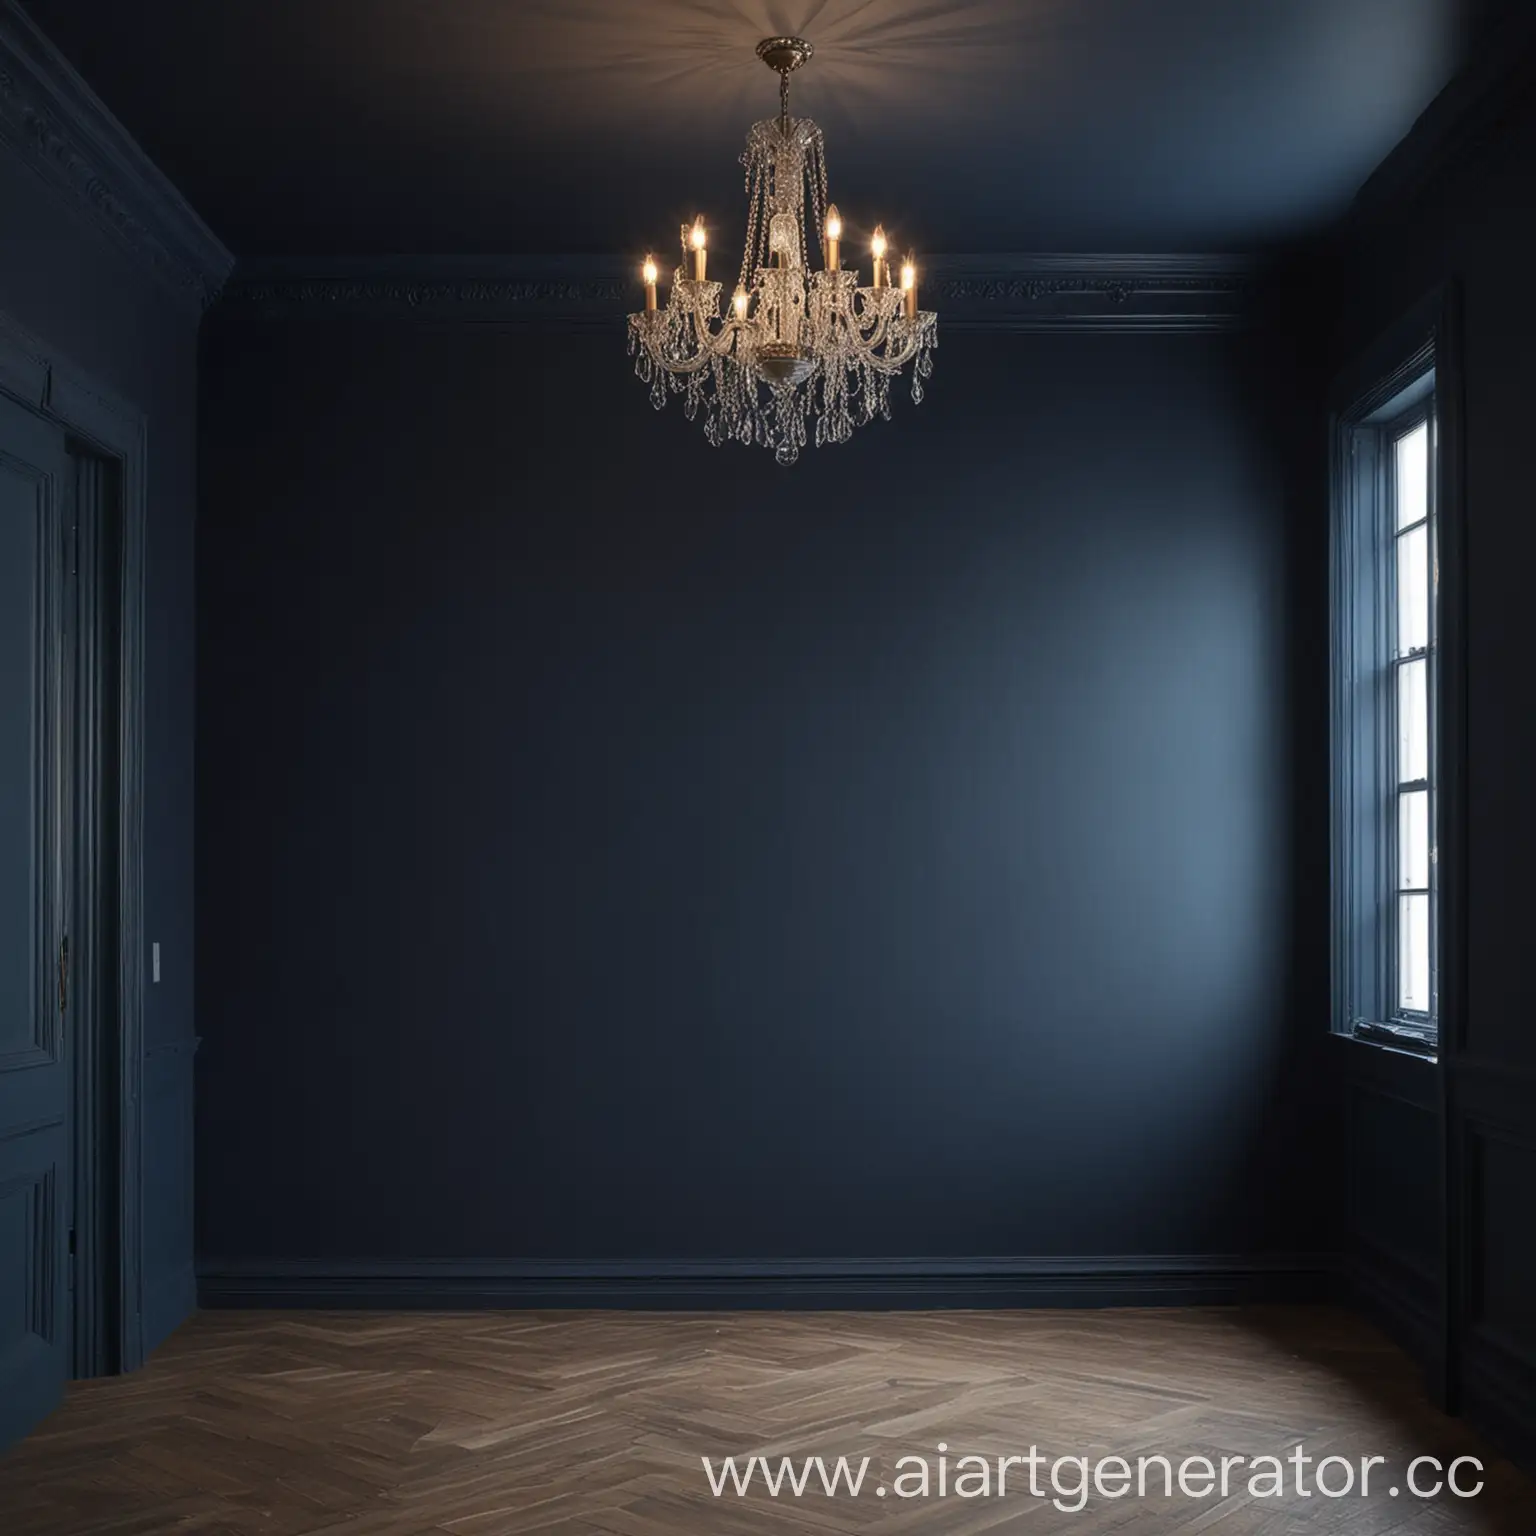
797	346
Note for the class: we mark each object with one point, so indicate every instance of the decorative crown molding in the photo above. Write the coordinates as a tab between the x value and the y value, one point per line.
61	129
1095	292
1009	292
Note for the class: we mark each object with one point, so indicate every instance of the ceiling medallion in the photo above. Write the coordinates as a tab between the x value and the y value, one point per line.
801	356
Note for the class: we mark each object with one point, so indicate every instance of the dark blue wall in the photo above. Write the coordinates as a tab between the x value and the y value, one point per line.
1473	224
63	281
615	848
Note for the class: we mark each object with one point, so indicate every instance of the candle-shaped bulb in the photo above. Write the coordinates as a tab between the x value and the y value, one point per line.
909	286
877	245
696	237
834	237
739	303
649	271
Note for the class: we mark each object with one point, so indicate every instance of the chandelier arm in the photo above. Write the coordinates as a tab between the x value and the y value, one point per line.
867	311
903	343
698	351
892	363
681	367
871	335
702	314
708	348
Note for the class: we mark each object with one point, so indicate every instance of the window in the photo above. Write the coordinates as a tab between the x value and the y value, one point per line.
1412	611
1385	711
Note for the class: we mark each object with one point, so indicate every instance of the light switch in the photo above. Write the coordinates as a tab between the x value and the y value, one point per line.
154	962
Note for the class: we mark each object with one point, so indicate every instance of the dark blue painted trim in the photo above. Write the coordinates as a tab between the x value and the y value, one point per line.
914	1284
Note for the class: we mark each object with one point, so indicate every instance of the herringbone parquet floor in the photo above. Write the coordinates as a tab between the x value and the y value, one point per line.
594	1424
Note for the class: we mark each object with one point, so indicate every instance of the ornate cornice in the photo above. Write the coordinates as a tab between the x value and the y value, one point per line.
56	124
1011	292
553	295
1094	292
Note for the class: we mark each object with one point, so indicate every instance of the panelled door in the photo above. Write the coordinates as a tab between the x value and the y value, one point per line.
36	1082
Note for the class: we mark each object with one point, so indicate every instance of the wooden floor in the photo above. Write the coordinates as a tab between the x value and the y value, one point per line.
593	1424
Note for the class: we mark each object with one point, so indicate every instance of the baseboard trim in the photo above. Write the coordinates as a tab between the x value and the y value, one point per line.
833	1284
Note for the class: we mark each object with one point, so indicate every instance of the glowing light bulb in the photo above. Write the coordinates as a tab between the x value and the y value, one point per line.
697	240
909	286
740	303
649	270
908	274
834	236
877	249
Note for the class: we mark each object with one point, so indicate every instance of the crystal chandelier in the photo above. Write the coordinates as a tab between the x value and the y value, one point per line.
802	356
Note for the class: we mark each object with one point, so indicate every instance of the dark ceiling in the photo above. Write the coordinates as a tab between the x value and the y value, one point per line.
412	126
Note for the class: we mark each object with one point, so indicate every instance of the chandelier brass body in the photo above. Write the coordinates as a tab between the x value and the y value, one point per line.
801	354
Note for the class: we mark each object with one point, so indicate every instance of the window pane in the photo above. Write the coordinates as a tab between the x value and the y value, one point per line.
1413	840
1412	721
1413	953
1413	590
1413	475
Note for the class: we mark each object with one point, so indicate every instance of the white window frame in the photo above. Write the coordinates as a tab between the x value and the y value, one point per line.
1368	783
1392	432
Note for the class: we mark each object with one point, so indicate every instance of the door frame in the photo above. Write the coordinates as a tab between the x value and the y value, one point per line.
46	382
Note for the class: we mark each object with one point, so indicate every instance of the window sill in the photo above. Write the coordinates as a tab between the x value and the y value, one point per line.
1427	1052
